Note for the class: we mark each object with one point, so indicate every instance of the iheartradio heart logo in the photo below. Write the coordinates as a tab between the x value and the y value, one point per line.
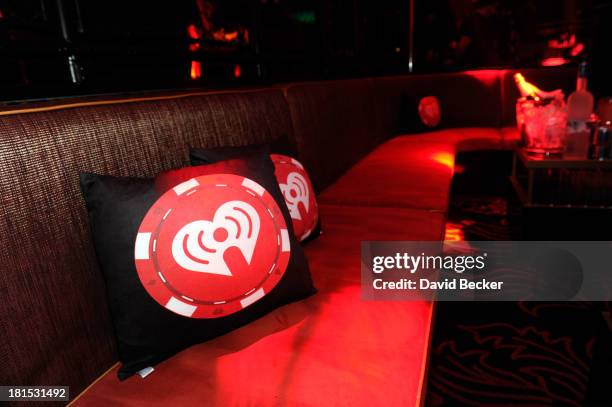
212	246
200	245
295	191
298	193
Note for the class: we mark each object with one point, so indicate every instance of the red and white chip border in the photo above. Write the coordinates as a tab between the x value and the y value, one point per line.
154	280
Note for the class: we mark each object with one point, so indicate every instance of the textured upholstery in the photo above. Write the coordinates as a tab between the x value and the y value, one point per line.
337	122
466	99
331	349
54	317
334	124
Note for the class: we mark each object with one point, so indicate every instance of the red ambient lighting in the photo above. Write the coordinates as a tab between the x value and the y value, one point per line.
454	232
554	61
577	50
237	71
196	70
193	32
195	35
486	76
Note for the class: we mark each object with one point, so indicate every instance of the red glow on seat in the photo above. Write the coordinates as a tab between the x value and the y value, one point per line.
237	71
444	158
290	363
196	70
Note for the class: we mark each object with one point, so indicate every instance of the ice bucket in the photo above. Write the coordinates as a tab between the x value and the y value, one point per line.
543	124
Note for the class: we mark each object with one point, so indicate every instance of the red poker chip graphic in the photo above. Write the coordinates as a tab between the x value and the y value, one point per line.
429	111
298	193
212	246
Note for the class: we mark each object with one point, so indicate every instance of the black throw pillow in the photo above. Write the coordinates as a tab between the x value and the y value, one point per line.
189	262
200	156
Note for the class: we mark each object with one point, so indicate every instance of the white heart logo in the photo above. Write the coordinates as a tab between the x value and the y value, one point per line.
295	192
199	246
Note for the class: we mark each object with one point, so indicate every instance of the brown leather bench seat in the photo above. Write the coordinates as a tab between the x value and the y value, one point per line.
331	349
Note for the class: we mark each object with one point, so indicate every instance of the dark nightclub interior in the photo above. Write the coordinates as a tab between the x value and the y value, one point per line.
72	47
217	203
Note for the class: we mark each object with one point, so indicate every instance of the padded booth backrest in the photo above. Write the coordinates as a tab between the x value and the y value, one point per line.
50	284
467	99
53	317
338	122
335	124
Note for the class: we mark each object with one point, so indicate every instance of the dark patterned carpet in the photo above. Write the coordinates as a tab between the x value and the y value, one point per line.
514	354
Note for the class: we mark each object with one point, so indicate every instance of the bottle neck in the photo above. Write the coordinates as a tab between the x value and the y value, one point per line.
581	84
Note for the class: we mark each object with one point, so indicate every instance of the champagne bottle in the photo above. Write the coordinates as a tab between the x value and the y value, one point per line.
530	91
